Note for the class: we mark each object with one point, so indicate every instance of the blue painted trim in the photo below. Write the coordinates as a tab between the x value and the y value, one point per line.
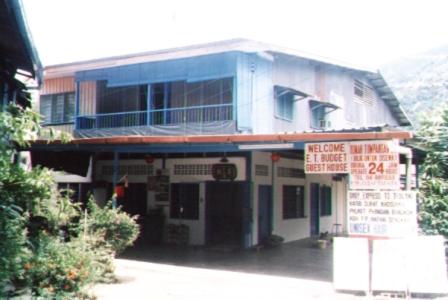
235	100
77	100
166	91
155	148
148	104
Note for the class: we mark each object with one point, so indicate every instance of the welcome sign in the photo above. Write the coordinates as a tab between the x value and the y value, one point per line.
371	164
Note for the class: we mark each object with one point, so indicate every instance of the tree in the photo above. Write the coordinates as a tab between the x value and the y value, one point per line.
47	248
433	136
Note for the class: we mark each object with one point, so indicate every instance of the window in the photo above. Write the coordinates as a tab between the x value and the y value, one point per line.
318	119
284	104
121	99
293	201
184	203
183	101
57	108
363	93
325	200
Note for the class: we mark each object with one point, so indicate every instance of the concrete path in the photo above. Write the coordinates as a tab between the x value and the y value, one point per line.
143	280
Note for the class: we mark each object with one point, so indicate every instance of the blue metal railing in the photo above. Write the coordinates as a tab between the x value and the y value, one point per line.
181	115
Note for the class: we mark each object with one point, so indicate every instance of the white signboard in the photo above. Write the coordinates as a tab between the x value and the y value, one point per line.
374	165
351	264
371	164
326	158
382	213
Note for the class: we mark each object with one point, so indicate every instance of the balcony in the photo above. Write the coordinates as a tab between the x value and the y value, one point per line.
198	115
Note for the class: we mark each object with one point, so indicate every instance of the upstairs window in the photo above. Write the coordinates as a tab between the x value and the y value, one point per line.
284	104
319	114
57	108
363	93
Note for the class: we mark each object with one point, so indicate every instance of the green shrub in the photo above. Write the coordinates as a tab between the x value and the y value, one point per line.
14	253
118	228
60	269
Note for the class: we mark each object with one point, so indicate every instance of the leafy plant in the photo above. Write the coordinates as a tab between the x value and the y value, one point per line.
118	228
433	216
47	250
60	269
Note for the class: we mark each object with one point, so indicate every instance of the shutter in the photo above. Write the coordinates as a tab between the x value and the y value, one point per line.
57	113
45	108
69	107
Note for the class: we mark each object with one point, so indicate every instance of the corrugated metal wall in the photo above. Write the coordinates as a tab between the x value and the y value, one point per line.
87	98
58	85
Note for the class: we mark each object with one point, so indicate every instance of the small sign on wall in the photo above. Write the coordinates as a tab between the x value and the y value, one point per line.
382	213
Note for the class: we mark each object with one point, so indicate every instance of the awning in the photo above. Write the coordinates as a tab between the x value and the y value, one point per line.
281	90
317	103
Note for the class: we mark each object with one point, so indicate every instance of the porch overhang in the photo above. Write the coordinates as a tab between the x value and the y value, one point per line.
213	143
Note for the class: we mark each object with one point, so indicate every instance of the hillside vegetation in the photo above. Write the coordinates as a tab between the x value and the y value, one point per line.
420	82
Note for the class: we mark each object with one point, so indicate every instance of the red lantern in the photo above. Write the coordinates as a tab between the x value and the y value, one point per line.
149	159
119	191
275	157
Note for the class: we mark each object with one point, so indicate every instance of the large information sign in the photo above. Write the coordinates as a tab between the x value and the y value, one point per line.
371	164
382	213
374	165
328	157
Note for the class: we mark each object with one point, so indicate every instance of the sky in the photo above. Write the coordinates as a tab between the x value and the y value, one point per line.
366	33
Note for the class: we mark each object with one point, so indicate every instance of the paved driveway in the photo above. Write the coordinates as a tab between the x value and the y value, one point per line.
295	270
142	280
300	259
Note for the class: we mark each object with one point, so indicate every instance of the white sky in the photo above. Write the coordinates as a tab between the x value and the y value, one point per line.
362	32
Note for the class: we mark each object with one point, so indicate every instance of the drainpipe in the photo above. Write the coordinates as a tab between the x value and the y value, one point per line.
408	154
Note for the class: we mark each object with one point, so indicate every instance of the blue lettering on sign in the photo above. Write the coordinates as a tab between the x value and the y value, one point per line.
380	228
360	228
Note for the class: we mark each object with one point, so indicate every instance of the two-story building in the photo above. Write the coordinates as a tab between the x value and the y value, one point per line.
212	136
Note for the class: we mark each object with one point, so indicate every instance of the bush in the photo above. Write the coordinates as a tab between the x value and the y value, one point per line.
118	228
45	251
60	269
14	253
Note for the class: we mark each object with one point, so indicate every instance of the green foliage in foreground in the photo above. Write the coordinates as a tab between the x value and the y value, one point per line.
433	210
49	249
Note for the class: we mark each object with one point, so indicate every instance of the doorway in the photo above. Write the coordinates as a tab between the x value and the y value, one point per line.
225	213
264	212
314	209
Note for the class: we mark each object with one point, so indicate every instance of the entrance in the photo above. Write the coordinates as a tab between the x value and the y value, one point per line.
314	209
264	212
225	213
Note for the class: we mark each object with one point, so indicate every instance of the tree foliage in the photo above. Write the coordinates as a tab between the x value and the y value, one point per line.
433	216
47	249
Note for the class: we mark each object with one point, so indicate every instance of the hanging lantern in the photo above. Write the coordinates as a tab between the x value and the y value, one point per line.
119	191
149	159
275	157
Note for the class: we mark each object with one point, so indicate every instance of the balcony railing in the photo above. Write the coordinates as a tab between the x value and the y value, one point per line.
172	116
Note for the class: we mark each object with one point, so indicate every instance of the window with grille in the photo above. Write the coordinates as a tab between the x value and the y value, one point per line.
293	201
129	170
261	170
290	172
57	108
193	169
